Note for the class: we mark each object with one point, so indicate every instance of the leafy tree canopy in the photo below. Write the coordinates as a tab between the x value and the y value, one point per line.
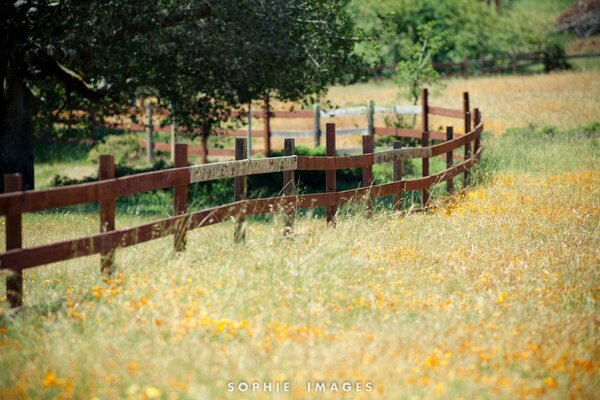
203	57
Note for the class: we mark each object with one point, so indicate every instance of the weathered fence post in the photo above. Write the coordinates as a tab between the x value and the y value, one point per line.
367	171
449	160
240	186
425	169
424	110
467	127
476	121
267	127
106	170
330	182
149	133
467	145
371	118
14	240
317	124
397	165
180	199
466	106
289	188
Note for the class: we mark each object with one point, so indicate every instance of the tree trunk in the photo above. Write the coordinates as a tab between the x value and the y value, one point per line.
16	137
204	147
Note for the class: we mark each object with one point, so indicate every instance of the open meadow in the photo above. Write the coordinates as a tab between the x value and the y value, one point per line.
494	293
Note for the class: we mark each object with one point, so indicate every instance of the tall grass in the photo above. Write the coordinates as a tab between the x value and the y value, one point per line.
492	295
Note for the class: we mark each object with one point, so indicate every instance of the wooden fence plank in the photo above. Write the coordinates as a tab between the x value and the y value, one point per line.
367	171
240	187
330	182
446	112
467	144
397	177
425	169
407	133
180	197
106	170
289	186
231	169
14	240
449	158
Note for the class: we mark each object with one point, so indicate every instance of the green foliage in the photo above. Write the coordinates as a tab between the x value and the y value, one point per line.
554	54
472	29
125	149
202	58
415	68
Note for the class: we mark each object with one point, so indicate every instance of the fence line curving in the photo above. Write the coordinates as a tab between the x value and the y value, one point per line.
105	191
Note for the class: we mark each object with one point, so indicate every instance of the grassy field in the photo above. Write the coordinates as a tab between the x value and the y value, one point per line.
493	294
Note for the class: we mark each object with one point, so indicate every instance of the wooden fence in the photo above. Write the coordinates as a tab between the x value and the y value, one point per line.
317	115
15	202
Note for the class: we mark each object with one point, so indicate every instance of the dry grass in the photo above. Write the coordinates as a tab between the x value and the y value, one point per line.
564	99
495	294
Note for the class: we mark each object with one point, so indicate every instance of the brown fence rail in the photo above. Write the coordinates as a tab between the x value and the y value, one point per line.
15	202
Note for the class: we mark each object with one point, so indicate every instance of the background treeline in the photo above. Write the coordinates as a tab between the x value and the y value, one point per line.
470	29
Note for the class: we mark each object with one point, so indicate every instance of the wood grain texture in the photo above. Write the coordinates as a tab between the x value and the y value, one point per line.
401	154
446	112
407	133
180	197
231	169
106	170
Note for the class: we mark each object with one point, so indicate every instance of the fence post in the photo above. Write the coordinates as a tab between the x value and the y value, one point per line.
513	63
371	118
149	133
106	170
425	169
330	183
289	188
267	118
14	240
449	160
317	124
240	186
476	121
465	66
397	198
467	145
424	110
367	172
466	105
180	194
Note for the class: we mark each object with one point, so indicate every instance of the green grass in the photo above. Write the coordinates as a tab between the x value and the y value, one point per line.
494	294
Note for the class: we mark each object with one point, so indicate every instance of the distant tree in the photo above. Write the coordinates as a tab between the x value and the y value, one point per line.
204	57
415	69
